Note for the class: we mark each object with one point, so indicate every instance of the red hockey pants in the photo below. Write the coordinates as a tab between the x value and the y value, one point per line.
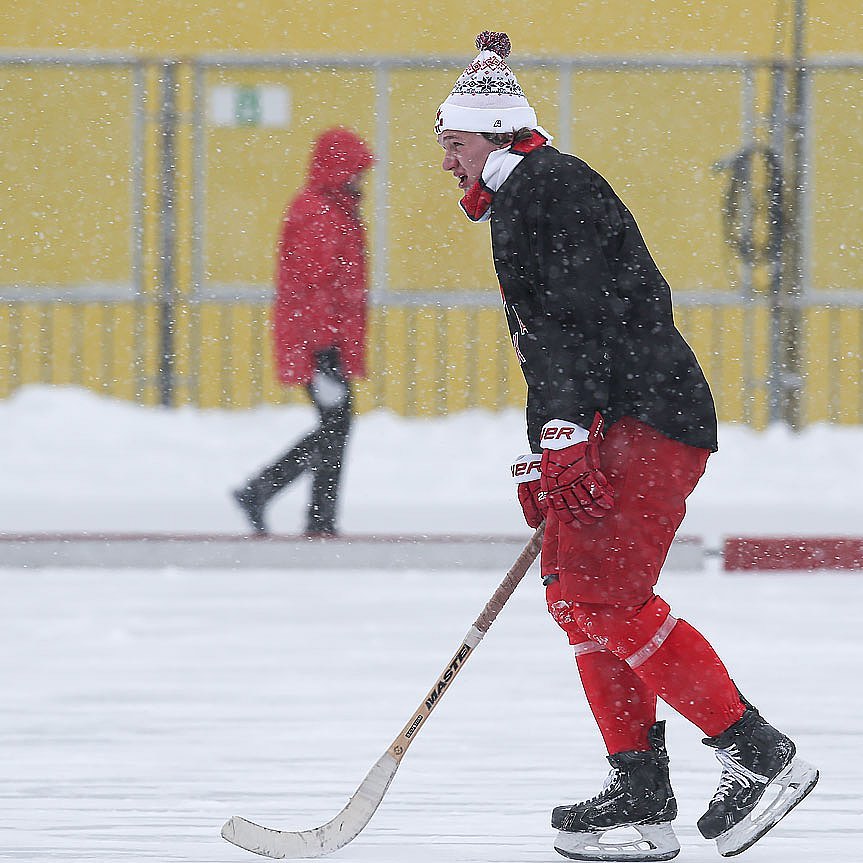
629	647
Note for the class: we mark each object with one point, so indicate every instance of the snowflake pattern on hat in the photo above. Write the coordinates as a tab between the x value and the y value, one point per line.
488	76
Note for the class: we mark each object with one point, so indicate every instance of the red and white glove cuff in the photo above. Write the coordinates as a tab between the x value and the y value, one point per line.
526	468
559	434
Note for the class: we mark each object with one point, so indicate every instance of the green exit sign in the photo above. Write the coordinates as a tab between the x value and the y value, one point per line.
249	105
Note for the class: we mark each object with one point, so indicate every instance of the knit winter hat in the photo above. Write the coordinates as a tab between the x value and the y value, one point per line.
486	97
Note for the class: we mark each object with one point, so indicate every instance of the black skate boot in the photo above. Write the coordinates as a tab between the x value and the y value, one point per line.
637	794
755	757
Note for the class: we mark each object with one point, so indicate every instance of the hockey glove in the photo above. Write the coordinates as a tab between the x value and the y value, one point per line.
525	472
576	488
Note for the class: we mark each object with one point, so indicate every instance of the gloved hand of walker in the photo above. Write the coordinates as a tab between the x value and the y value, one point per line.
525	472
577	489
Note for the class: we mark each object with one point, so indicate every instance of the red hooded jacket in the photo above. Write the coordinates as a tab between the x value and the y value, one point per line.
321	284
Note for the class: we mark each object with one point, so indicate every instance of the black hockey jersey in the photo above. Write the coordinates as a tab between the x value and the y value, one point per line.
589	312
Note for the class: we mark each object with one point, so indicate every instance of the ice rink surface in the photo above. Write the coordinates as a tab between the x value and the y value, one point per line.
140	709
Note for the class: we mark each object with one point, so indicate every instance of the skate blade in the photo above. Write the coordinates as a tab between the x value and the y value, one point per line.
794	783
655	842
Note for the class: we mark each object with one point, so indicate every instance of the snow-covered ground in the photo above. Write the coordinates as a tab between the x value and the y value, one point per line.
71	461
141	708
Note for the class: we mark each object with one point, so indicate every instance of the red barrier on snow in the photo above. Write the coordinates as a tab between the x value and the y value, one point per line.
792	553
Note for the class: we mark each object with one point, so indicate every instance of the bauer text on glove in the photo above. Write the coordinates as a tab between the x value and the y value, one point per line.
525	472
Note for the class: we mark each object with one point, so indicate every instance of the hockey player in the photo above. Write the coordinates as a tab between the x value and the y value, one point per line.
621	422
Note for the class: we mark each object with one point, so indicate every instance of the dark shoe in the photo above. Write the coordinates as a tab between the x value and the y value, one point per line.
754	756
638	794
252	503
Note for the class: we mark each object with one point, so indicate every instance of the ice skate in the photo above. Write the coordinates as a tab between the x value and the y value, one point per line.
637	795
762	781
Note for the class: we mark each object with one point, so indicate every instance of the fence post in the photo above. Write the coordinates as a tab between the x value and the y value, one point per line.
787	269
788	294
167	230
778	226
794	260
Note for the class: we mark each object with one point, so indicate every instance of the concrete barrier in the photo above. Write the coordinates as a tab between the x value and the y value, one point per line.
218	551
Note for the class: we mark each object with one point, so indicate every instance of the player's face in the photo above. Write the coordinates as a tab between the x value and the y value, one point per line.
464	155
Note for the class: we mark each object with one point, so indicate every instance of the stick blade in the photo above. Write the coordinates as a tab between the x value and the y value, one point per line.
319	841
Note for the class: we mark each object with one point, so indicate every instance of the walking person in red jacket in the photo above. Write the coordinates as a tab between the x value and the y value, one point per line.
319	325
621	423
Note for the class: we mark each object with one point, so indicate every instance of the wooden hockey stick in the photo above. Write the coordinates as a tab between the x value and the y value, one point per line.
346	826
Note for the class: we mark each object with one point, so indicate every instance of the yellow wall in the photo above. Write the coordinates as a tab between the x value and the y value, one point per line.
81	174
431	27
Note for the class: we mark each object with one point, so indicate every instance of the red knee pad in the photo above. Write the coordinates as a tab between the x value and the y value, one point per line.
633	634
673	660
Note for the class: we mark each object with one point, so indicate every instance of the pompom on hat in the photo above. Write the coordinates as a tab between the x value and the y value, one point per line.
487	97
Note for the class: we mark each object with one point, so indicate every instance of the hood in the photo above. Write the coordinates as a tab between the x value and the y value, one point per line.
338	156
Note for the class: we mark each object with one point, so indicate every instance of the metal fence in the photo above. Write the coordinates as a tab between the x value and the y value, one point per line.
143	199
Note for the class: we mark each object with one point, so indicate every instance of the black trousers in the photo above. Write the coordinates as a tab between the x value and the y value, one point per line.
321	452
